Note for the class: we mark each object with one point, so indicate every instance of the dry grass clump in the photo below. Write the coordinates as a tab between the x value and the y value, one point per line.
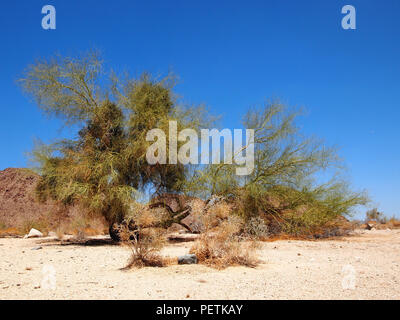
23	227
379	220
257	228
222	210
78	223
81	226
393	223
222	246
146	241
9	232
215	215
146	217
145	248
43	224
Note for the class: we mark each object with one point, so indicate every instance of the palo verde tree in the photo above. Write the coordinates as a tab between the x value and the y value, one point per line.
105	166
285	185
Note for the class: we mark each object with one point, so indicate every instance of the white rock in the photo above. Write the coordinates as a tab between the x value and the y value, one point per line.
33	233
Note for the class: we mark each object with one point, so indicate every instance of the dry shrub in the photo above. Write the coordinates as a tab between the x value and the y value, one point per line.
145	247
339	227
215	215
394	223
197	205
42	225
81	226
385	223
257	228
77	222
146	242
221	247
24	227
146	217
60	232
10	232
222	210
7	231
78	225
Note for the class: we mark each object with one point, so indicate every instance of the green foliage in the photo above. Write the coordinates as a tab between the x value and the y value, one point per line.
65	87
105	167
283	187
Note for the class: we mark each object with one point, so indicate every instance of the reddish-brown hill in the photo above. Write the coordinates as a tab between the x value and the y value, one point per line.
18	205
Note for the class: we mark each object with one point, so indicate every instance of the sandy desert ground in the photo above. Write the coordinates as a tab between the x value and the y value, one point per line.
291	269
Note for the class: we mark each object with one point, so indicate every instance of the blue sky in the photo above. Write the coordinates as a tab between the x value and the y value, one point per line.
230	55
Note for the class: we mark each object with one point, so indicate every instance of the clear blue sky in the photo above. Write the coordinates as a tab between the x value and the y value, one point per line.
230	55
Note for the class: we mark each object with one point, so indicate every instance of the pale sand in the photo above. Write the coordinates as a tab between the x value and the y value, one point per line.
291	270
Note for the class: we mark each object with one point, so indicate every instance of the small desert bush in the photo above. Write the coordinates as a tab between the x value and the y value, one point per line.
394	223
6	230
222	246
40	224
81	226
383	220
145	241
146	217
221	210
257	228
375	215
293	212
213	216
145	246
23	227
78	226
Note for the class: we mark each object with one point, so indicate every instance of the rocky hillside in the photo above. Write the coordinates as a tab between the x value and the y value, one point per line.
17	200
